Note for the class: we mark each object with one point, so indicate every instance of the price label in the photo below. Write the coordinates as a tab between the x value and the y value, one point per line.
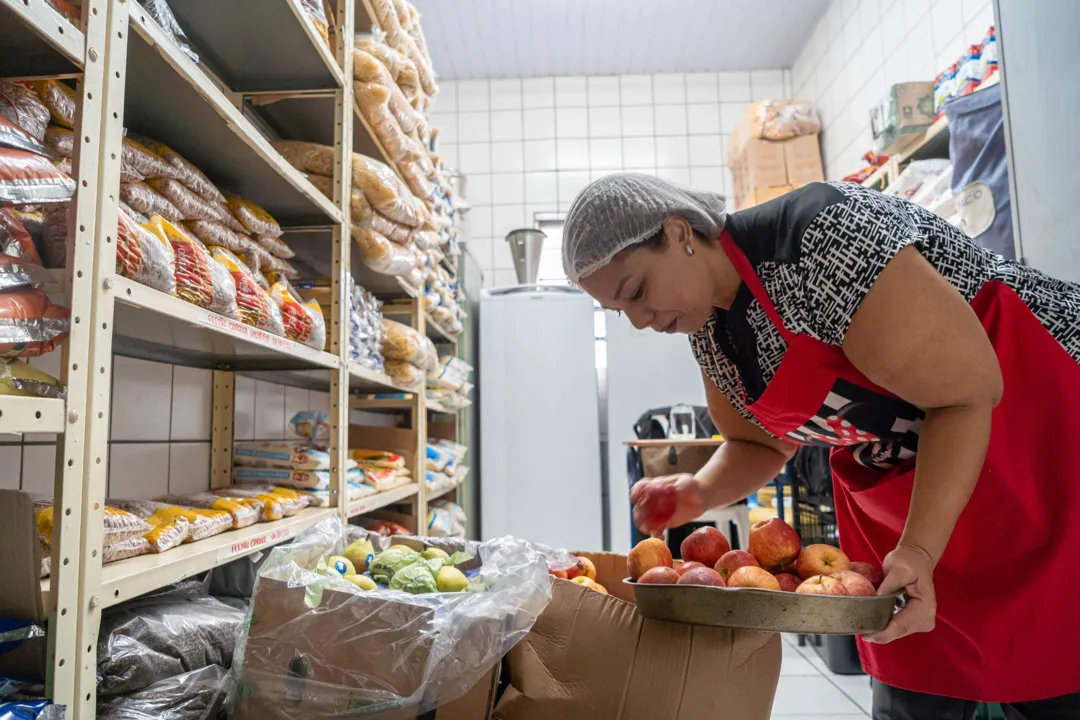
251	544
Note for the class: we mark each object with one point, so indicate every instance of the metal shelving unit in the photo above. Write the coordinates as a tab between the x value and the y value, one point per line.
133	77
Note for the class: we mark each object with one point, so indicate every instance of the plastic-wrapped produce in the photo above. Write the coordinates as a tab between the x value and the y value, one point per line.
253	304
199	279
197	695
149	202
145	641
381	255
187	173
254	218
304	322
419	651
144	256
163	14
190	205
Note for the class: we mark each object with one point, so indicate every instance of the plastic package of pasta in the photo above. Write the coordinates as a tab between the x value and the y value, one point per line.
119	525
144	256
149	202
403	343
163	15
244	511
190	205
359	208
381	255
275	246
199	279
304	322
24	108
298	479
253	303
187	173
394	231
136	159
254	218
405	375
211	232
375	105
172	524
59	102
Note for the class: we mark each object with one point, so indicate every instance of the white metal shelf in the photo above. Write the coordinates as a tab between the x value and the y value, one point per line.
168	97
154	326
130	578
36	40
28	414
381	500
279	51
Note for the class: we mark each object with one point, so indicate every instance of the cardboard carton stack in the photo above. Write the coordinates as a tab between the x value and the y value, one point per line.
764	169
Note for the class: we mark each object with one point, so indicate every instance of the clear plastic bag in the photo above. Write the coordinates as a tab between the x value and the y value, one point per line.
149	202
405	375
138	160
298	655
374	102
359	208
304	321
314	11
148	640
187	173
784	119
144	257
254	218
403	343
244	511
275	247
211	233
254	305
172	525
311	424
190	205
381	255
199	279
196	695
23	107
394	231
163	15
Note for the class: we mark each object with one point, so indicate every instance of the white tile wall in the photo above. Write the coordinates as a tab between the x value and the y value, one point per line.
861	48
529	146
160	429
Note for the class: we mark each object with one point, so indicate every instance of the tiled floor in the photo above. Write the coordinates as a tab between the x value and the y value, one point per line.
809	691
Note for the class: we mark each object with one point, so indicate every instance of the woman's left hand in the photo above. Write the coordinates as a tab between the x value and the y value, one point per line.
910	569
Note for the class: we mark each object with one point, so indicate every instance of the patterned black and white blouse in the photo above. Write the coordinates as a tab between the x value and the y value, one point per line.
817	251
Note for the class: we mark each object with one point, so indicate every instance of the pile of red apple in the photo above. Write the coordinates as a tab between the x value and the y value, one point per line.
776	560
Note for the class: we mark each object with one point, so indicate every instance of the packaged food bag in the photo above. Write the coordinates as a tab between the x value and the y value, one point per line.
200	280
381	255
253	304
299	479
172	524
187	173
149	202
358	206
304	322
28	109
419	651
21	379
138	159
214	232
119	525
144	256
282	455
377	459
243	511
28	178
311	424
254	218
186	201
403	343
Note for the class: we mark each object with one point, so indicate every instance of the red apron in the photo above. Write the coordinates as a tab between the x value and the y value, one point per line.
1008	584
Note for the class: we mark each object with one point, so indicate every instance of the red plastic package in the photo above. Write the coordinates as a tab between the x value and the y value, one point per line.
304	322
27	178
30	325
253	303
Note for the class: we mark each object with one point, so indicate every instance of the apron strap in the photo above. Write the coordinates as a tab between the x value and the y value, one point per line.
746	272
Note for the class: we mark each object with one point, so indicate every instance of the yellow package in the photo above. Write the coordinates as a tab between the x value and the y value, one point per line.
21	378
60	99
377	459
119	525
254	218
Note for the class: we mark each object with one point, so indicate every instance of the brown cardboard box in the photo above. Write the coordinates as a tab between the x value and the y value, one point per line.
770	164
902	116
398	440
476	704
593	657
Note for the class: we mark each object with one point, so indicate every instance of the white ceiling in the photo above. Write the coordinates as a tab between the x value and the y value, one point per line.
528	38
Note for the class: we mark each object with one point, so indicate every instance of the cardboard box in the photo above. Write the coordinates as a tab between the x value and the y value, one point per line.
398	440
902	116
760	195
766	164
593	656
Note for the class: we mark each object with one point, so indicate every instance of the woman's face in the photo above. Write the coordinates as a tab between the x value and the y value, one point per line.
663	288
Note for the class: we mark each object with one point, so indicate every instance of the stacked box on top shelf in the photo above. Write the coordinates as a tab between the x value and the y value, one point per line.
774	150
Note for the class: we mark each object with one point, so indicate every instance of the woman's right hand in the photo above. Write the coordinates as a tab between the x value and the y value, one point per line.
666	502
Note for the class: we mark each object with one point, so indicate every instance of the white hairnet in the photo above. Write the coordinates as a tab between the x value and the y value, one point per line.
622	210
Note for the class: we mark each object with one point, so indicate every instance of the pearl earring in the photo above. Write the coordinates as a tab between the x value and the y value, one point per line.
689	250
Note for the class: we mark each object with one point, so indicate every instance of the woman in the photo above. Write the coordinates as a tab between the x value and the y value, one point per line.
946	379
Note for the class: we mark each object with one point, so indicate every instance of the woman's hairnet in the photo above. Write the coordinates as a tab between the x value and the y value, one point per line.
622	210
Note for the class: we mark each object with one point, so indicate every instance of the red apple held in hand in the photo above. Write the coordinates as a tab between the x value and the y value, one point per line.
822	585
659	576
705	545
655	507
821	560
873	573
774	543
753	577
856	584
788	582
647	555
702	576
731	561
683	568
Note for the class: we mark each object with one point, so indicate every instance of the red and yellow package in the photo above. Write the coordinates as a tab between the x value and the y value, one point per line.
304	321
199	280
254	304
143	256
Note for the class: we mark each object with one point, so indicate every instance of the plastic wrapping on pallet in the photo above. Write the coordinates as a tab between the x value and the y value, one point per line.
298	656
197	695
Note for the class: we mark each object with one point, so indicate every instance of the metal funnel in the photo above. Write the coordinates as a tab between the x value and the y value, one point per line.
525	247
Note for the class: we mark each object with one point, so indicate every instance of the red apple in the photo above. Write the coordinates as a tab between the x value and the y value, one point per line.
753	577
822	585
774	543
873	573
702	576
647	555
661	575
655	507
559	574
583	567
683	568
705	545
731	561
855	583
821	560
790	569
788	582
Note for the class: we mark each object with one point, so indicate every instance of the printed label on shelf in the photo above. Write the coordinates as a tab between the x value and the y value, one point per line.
242	547
238	328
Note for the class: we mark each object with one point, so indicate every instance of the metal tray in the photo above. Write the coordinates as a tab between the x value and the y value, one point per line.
770	610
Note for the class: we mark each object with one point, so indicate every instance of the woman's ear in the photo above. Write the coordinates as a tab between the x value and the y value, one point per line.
678	232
